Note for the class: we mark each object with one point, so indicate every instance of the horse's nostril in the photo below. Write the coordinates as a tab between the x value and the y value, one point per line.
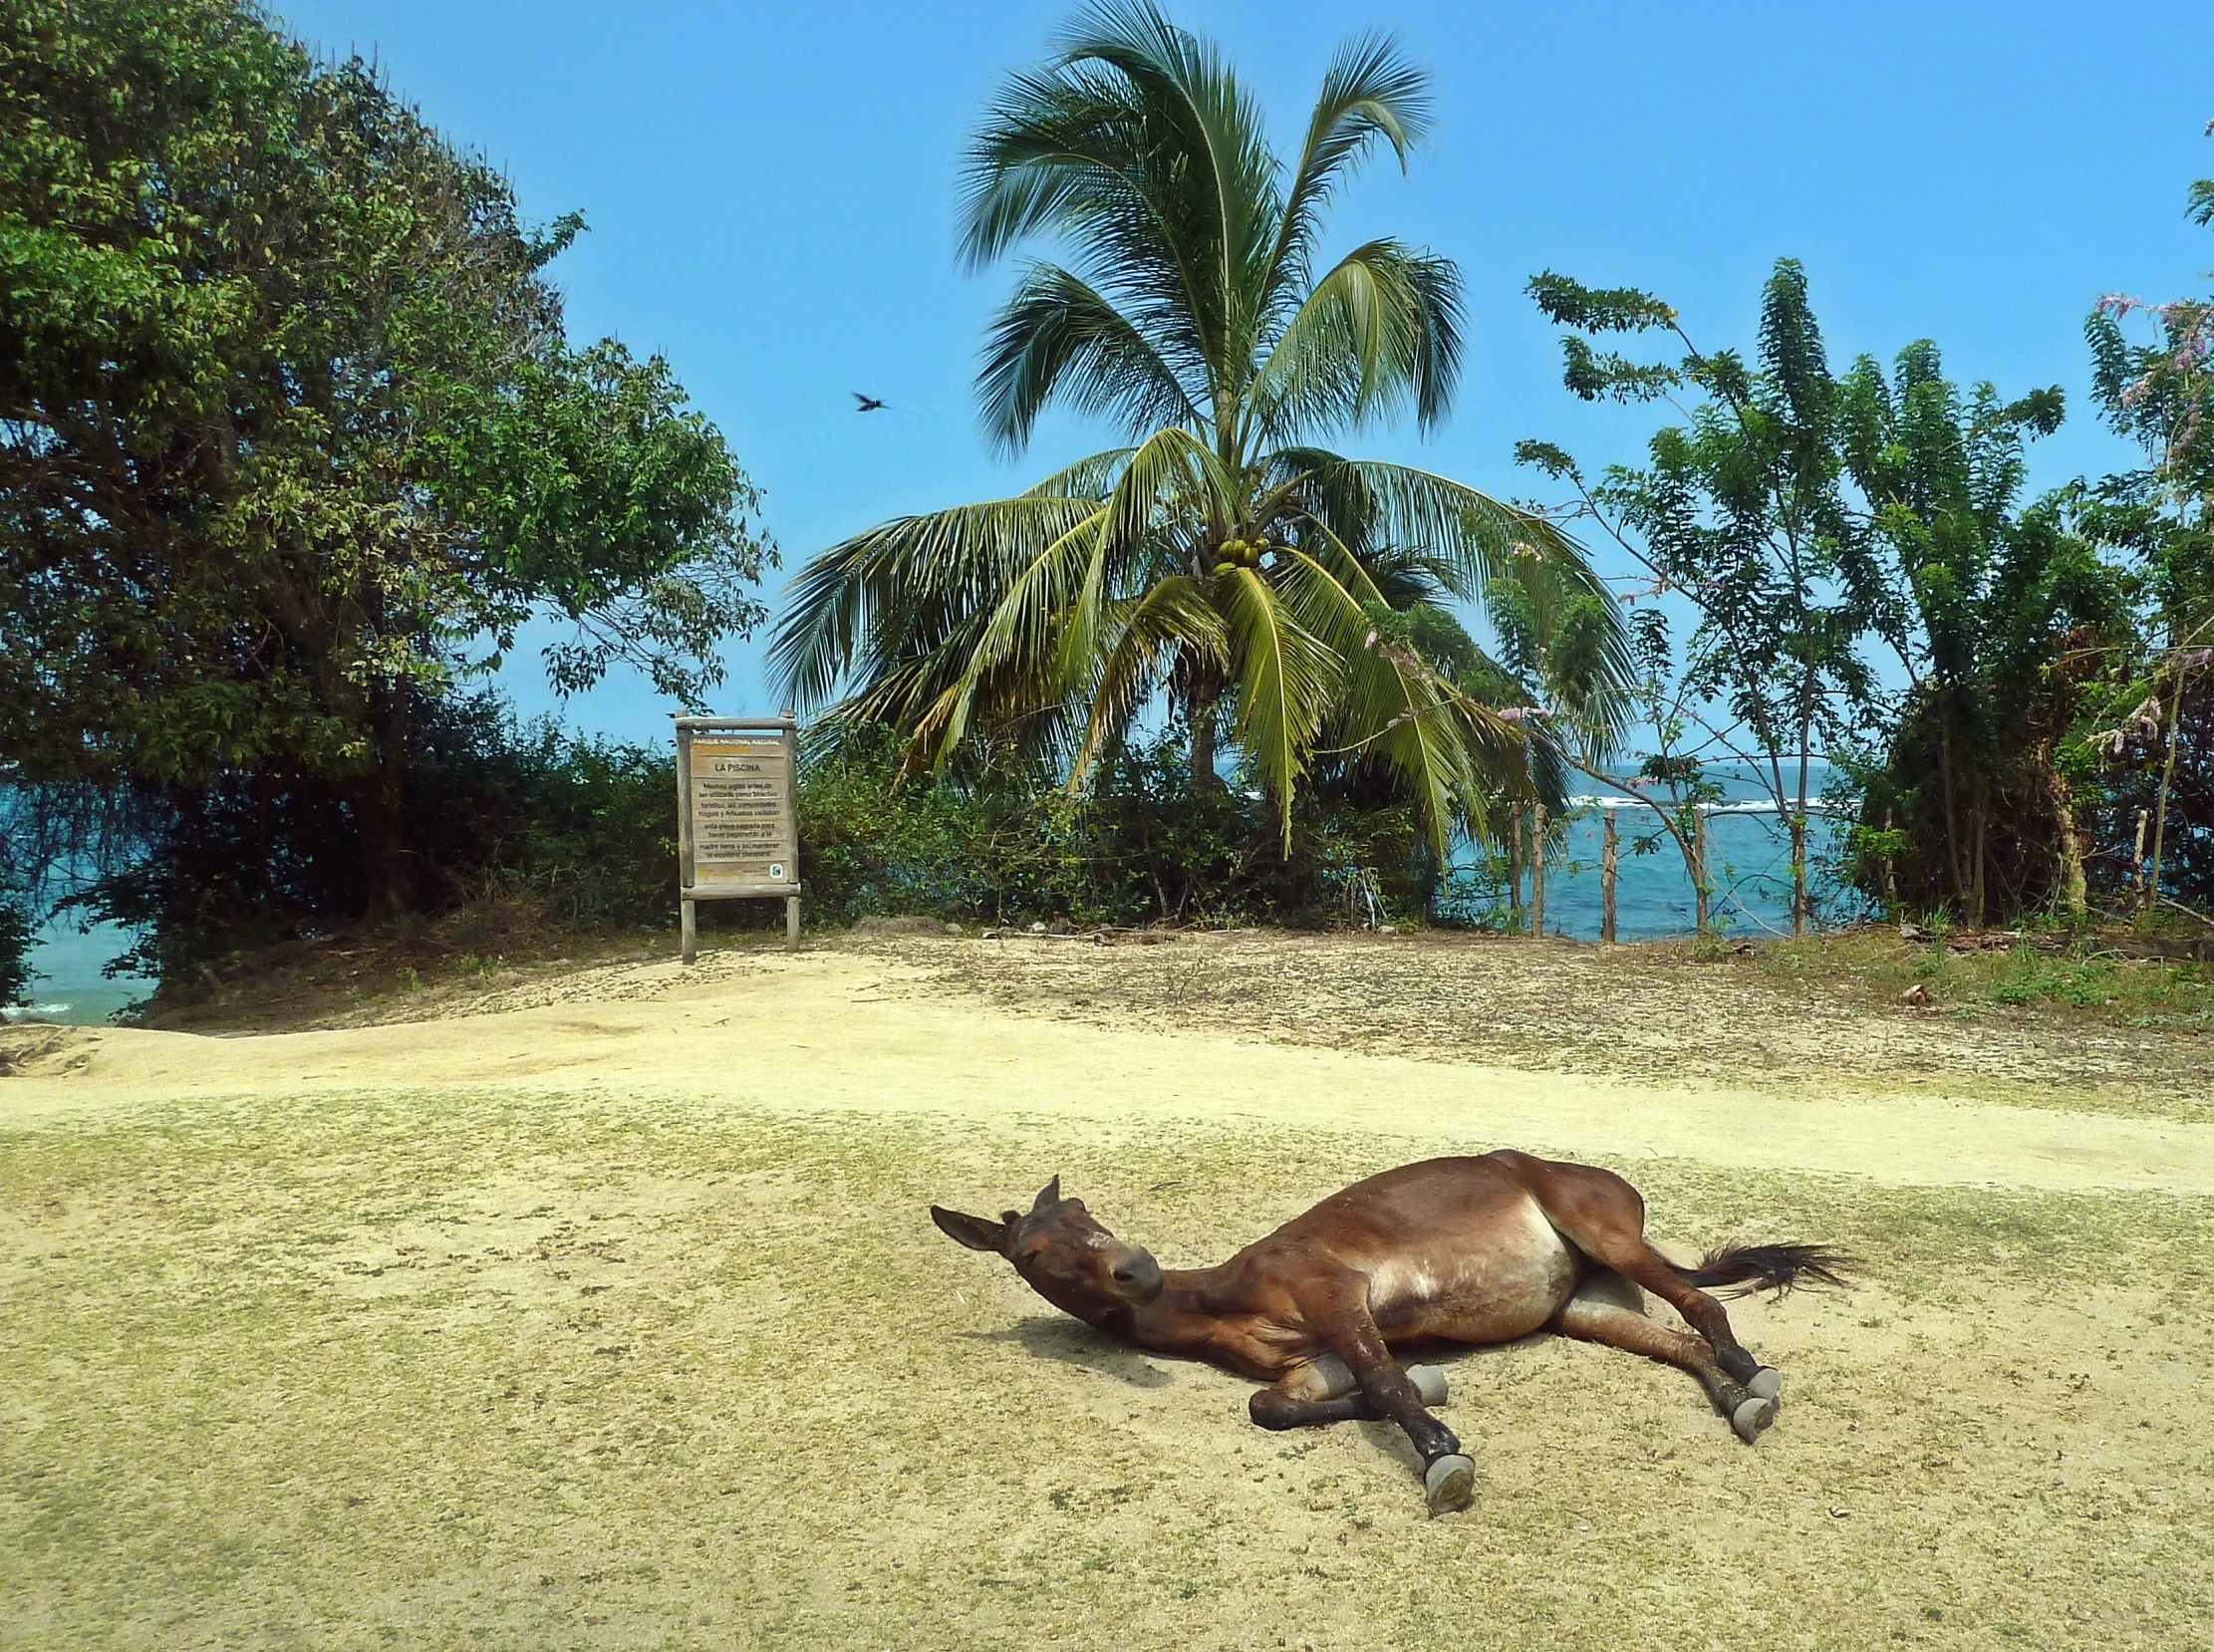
1123	1276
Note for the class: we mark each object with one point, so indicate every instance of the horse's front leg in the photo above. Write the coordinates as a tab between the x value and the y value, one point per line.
1324	1391
1337	1314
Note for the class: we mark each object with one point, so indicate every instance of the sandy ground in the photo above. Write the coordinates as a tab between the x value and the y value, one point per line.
608	1315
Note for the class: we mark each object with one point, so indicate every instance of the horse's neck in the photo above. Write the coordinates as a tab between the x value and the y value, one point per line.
1186	1313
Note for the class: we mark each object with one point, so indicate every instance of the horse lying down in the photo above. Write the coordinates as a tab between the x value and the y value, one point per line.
1483	1249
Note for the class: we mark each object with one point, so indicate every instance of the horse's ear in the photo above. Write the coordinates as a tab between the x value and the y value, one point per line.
978	1233
1049	1197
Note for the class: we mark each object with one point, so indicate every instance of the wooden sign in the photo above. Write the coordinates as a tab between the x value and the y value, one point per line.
737	814
744	813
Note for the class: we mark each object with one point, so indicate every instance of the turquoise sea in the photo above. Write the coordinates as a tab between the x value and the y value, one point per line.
1749	858
69	985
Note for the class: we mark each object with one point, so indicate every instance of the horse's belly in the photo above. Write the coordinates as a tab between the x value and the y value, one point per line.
1500	1286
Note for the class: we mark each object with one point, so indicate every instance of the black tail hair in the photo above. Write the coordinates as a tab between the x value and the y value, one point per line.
1776	1268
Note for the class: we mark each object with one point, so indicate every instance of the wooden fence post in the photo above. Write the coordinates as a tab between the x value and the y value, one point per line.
1538	873
1515	877
1699	863
1607	857
2137	862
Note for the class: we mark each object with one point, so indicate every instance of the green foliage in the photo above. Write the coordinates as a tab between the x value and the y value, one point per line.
1804	516
496	809
1570	303
16	935
993	842
1741	510
2154	728
1994	613
1219	566
2080	976
291	438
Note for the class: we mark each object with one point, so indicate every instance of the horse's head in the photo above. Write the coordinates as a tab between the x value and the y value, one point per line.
1062	1253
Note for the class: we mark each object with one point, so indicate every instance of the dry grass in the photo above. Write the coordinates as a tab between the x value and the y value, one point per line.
468	1368
362	979
1823	1013
645	1347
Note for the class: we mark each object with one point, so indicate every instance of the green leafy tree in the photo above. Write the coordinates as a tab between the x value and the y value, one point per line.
290	437
1983	605
1801	516
1222	562
1741	511
2161	394
15	952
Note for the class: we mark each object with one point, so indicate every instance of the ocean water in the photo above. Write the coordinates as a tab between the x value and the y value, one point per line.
68	984
1749	853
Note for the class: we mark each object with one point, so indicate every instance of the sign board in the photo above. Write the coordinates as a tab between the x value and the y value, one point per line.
737	808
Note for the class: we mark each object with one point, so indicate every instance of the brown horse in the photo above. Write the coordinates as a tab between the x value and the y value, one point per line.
1450	1249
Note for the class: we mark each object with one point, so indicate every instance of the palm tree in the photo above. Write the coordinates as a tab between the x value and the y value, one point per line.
1222	560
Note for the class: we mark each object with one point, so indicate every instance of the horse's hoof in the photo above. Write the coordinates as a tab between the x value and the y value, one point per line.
1429	1382
1751	1417
1768	1384
1450	1483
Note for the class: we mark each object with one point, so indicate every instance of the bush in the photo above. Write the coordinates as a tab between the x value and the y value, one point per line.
498	809
16	930
583	832
999	844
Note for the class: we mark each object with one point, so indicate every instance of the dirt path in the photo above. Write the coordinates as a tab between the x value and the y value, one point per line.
872	1033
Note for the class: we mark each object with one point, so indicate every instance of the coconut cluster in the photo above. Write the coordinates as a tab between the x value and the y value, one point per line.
1238	553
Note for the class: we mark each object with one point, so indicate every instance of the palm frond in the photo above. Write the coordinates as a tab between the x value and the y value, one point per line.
907	588
1177	616
1381	328
1285	679
1211	152
1442	747
1058	338
1091	477
1021	640
1172	480
1370	94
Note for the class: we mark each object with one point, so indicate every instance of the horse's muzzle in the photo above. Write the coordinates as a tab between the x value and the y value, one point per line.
1136	1275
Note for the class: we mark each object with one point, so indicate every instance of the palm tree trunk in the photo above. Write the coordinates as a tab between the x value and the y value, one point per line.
1204	778
2075	893
2168	782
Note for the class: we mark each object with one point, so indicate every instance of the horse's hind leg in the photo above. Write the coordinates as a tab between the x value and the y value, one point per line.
1601	1317
1639	1262
1603	1216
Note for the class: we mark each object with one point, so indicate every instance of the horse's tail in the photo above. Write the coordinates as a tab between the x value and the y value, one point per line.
1744	1268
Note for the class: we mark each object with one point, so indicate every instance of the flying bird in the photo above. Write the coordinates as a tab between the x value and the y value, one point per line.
869	403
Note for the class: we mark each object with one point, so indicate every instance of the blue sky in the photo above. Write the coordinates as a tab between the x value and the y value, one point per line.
770	196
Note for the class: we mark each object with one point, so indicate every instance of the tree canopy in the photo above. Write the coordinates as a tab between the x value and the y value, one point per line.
292	439
1222	562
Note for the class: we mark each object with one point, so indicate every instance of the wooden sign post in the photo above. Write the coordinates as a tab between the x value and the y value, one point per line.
738	815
